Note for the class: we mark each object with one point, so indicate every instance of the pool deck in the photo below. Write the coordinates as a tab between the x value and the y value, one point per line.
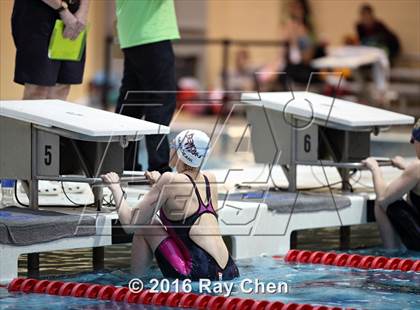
243	222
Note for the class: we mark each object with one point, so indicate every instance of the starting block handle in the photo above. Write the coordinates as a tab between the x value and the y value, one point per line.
94	181
344	165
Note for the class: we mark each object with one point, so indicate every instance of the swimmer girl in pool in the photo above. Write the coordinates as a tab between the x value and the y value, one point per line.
398	218
185	237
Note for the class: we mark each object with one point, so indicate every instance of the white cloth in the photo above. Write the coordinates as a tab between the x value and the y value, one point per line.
356	56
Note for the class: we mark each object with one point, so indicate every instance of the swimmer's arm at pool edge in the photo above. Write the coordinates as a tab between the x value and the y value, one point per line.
143	213
386	194
399	162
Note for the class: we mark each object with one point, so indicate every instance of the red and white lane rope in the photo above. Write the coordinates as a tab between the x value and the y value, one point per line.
146	297
352	260
204	301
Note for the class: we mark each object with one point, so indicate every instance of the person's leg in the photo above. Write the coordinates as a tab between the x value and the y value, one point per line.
158	145
33	92
59	91
32	25
128	107
162	80
141	255
158	150
388	234
145	242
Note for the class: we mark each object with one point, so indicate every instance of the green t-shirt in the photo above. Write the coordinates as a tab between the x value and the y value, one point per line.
145	21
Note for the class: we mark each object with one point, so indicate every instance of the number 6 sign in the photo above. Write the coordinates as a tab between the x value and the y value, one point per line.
307	144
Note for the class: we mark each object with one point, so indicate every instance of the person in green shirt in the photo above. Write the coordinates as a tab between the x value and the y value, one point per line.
145	30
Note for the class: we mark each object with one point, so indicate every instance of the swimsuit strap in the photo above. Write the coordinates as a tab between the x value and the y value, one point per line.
197	193
203	207
209	201
208	191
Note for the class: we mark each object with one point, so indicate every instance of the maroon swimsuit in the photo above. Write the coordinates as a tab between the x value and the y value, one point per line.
178	256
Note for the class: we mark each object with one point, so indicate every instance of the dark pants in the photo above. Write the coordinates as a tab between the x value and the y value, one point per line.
148	90
297	73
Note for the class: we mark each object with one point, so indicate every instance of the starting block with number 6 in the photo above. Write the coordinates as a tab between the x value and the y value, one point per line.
303	128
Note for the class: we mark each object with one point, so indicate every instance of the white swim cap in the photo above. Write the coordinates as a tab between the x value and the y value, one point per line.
192	146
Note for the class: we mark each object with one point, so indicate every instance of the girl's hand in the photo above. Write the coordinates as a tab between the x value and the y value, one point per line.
370	163
112	180
399	162
152	176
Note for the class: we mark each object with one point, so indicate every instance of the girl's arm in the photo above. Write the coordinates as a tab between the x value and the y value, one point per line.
143	213
386	194
399	162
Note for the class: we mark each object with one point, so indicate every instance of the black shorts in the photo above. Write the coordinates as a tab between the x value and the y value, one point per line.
406	221
32	25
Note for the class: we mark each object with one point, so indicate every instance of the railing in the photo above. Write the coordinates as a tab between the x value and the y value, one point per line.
225	43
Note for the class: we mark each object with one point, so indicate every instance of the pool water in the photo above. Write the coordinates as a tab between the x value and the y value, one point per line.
314	284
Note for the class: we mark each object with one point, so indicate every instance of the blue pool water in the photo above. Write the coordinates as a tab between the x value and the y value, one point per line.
314	284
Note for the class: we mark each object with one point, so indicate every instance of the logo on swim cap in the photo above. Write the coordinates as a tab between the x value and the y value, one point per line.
192	146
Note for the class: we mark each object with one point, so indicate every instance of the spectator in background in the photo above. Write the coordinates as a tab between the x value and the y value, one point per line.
372	32
32	26
241	78
145	30
300	48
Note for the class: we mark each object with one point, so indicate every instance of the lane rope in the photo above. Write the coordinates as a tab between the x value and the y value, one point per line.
351	260
146	297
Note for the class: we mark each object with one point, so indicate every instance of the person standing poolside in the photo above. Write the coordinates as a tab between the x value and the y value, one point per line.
32	26
185	238
398	218
145	30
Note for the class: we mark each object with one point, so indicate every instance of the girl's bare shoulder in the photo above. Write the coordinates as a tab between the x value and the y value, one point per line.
175	178
211	176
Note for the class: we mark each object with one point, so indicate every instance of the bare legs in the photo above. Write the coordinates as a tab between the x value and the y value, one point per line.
389	236
145	241
59	91
35	92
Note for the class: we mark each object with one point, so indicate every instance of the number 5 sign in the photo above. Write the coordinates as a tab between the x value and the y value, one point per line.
48	154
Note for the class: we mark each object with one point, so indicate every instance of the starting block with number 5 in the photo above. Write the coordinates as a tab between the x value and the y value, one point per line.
51	139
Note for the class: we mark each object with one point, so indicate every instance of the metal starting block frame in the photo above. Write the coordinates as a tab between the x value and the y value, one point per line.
304	128
49	139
